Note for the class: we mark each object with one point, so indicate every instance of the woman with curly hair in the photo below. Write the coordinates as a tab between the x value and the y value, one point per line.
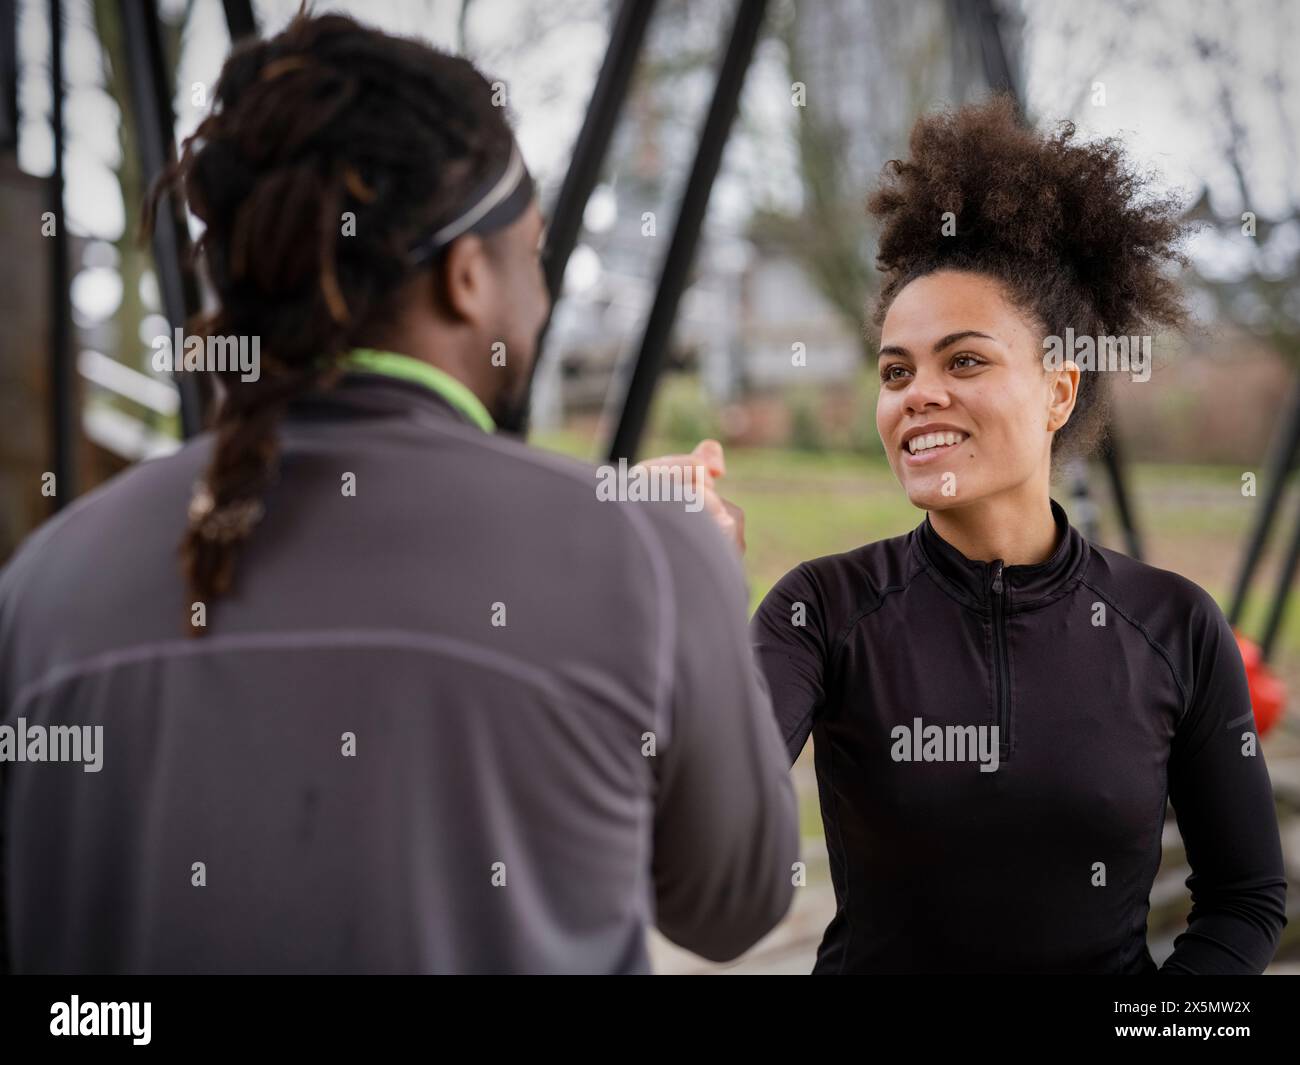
1002	709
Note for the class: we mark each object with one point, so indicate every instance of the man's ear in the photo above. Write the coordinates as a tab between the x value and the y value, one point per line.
465	280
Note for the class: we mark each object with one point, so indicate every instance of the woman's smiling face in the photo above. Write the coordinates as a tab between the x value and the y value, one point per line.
966	408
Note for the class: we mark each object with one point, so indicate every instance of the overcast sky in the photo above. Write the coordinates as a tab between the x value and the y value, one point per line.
1158	95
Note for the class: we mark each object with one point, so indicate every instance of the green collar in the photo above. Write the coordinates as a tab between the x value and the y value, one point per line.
455	392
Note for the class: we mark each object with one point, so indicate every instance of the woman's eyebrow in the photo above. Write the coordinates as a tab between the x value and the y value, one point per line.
951	338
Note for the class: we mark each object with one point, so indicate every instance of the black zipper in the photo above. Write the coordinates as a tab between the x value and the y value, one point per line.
1002	668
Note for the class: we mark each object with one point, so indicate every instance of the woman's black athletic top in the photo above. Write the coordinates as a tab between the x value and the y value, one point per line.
1115	687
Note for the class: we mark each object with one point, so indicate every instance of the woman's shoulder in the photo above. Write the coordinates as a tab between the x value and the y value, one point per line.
848	581
1143	587
1181	619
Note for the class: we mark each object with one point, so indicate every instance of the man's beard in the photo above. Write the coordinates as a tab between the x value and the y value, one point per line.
512	407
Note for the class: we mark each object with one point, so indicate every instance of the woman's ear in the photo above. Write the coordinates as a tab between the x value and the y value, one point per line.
1064	392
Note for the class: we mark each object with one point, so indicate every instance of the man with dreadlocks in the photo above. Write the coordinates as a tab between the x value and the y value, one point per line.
415	698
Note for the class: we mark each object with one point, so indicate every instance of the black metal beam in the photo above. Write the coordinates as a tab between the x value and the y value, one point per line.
589	153
985	22
593	140
1282	595
1084	516
686	231
151	102
1281	461
8	75
1113	460
239	19
63	385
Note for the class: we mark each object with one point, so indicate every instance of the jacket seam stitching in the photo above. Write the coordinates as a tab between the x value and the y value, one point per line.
1137	897
1182	688
848	871
811	715
293	639
847	630
843	639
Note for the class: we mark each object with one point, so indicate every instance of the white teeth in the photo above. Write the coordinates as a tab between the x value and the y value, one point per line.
929	440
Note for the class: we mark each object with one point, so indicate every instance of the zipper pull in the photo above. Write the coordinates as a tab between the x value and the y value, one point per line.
997	577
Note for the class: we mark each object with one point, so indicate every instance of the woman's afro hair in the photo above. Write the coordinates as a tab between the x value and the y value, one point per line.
1071	230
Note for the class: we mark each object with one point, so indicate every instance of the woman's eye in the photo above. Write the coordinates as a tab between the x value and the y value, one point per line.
972	360
887	374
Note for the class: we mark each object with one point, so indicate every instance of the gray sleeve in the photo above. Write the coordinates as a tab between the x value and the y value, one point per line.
726	825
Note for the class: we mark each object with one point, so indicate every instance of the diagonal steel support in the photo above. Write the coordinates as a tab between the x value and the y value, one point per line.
151	102
590	149
686	231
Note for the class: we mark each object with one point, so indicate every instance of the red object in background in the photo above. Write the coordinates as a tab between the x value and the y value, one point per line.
1267	693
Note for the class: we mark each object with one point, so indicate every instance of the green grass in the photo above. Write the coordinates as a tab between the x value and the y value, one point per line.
800	505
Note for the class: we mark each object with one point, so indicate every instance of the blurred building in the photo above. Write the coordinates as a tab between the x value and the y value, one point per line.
756	319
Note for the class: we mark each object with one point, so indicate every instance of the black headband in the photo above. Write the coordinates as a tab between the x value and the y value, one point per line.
495	203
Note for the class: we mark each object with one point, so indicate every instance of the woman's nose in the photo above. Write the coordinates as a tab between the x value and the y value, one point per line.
924	392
